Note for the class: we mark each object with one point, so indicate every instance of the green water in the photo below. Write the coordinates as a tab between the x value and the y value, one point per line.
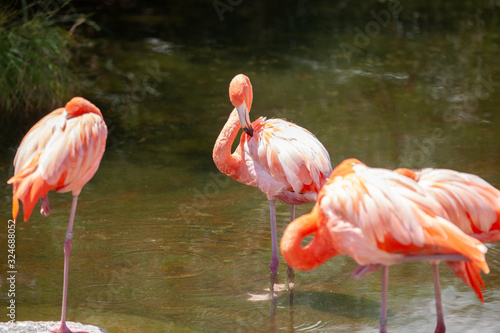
165	243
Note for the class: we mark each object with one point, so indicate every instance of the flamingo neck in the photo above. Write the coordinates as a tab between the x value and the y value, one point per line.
79	105
226	162
312	255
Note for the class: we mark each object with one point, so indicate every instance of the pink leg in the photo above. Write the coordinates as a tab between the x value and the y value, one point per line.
274	237
440	327
289	270
383	306
67	250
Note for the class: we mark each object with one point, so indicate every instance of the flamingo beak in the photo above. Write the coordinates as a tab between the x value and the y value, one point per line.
245	119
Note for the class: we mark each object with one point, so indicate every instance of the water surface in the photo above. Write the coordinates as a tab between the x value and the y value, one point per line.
164	242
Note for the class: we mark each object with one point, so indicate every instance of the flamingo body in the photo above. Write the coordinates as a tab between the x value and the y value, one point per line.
61	152
375	216
382	217
284	161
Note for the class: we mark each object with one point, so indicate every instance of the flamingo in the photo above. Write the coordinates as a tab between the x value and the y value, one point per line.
61	152
377	217
473	205
283	160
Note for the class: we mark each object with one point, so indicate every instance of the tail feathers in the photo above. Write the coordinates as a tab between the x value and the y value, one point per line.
470	273
28	186
15	208
447	236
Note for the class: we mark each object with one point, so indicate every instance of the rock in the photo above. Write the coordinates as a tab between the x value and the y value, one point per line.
43	326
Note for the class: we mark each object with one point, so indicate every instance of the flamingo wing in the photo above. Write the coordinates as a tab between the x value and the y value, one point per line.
290	154
392	213
74	153
471	202
61	153
36	139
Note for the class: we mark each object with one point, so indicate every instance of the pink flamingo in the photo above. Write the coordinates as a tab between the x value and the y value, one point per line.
377	217
61	152
283	160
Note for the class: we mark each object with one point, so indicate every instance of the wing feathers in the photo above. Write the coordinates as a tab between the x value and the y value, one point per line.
290	154
61	153
472	204
395	214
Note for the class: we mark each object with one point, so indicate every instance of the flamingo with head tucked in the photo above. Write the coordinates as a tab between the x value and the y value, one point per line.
283	160
61	152
377	217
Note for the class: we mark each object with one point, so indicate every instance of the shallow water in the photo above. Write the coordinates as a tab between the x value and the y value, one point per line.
164	242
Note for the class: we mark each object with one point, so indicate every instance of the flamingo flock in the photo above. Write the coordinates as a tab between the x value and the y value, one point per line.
376	216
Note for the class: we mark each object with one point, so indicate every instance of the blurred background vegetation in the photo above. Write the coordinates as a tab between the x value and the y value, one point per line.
37	47
41	41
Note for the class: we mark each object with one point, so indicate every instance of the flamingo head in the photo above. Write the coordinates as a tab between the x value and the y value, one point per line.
241	95
79	105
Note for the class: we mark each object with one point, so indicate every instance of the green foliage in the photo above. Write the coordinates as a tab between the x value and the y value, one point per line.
36	72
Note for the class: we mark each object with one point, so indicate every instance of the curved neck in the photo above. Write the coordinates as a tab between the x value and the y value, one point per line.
226	162
312	255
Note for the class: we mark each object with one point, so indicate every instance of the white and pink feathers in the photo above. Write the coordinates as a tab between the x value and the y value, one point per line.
285	161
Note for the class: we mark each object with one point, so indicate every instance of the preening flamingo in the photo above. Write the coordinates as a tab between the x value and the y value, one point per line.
283	160
473	205
377	217
61	152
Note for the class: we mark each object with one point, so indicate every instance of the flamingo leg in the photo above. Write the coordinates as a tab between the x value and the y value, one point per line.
383	306
67	250
274	237
289	270
440	327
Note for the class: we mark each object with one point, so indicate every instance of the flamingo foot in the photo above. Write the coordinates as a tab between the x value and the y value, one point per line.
45	209
65	329
272	291
363	270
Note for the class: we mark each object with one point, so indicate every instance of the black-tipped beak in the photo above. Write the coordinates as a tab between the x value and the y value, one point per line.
248	130
245	119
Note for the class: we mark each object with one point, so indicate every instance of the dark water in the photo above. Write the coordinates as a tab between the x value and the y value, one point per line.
164	242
